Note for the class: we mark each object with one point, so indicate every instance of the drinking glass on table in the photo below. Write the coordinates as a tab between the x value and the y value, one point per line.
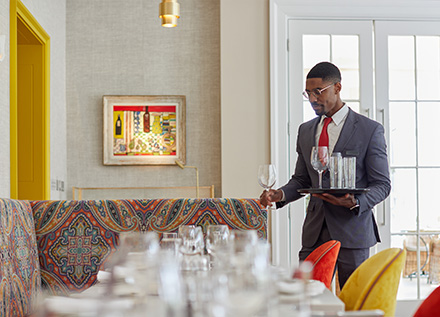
319	158
192	248
170	242
133	262
217	240
244	243
192	240
267	176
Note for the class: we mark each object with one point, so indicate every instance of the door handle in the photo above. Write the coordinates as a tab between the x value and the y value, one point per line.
382	111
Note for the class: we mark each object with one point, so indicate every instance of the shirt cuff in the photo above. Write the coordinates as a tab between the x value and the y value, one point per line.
284	196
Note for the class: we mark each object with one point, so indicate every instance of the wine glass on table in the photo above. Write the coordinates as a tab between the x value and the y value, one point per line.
267	176
320	160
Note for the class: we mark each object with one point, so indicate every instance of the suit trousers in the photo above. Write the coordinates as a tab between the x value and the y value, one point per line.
348	259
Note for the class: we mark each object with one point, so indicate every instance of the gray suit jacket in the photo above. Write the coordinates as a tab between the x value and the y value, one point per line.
360	137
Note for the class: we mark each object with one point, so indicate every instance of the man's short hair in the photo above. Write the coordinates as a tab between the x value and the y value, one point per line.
326	71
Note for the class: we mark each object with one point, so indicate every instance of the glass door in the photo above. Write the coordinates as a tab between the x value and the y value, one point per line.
349	45
390	73
408	99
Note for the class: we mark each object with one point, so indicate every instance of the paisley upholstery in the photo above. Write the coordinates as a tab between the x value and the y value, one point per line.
76	237
20	284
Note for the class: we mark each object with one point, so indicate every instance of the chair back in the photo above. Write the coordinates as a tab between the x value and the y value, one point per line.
374	284
430	306
323	259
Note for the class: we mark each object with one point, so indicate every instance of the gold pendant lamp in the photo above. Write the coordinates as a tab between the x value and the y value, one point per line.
169	12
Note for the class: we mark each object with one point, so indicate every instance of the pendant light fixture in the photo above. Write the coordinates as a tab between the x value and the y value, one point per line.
169	12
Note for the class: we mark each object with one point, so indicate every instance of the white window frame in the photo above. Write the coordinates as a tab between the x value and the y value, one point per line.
382	31
283	137
297	28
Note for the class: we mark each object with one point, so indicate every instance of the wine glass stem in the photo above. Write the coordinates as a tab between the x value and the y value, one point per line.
320	179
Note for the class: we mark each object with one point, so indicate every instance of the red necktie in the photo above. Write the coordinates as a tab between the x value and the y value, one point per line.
323	138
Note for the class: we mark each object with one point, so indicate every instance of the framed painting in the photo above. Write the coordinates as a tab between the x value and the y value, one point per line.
144	130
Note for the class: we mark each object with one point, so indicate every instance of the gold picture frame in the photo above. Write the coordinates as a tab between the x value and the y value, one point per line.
144	130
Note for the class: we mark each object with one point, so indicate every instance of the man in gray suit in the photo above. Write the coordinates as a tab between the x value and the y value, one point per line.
347	218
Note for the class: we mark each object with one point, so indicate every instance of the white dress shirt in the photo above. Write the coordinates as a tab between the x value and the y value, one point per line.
334	128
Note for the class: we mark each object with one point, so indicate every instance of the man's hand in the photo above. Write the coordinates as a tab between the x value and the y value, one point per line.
347	200
270	196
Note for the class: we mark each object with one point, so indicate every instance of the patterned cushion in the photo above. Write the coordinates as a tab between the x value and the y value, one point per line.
76	237
20	284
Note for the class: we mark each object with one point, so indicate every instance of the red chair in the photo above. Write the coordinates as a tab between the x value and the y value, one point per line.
430	306
323	259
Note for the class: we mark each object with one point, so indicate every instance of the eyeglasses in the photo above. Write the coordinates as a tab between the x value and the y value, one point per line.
315	92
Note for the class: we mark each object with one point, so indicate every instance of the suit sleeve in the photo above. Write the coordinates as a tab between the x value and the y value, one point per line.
377	170
300	178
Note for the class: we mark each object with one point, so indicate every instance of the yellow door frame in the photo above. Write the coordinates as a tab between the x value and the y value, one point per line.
19	11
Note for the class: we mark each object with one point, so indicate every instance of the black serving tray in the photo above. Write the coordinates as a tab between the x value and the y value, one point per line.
333	191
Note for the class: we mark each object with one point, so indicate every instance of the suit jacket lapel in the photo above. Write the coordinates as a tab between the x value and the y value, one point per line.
347	131
312	138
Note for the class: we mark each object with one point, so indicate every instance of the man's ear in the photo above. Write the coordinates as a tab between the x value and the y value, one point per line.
338	87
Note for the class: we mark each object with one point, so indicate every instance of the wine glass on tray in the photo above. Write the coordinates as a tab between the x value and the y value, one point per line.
319	158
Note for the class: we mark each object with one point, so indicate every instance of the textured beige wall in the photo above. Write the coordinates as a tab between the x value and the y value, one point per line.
118	47
244	94
113	49
50	14
5	190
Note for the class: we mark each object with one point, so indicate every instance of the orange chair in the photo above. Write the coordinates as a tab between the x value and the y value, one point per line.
323	259
430	306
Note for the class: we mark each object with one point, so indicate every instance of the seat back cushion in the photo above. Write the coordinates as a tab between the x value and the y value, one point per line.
75	238
324	259
20	282
374	284
430	306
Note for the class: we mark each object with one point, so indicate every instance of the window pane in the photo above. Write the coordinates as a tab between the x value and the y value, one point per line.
309	114
316	48
408	282
401	67
350	84
429	143
354	105
428	65
402	134
428	190
345	53
403	200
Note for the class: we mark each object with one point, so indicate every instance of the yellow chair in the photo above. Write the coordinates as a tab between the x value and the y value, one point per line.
374	284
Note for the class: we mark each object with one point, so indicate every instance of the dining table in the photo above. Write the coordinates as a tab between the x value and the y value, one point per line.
127	300
233	276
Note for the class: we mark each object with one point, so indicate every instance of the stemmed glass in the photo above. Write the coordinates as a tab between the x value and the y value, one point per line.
319	159
267	176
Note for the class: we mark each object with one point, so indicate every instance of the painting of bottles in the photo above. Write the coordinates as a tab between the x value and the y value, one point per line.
153	130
